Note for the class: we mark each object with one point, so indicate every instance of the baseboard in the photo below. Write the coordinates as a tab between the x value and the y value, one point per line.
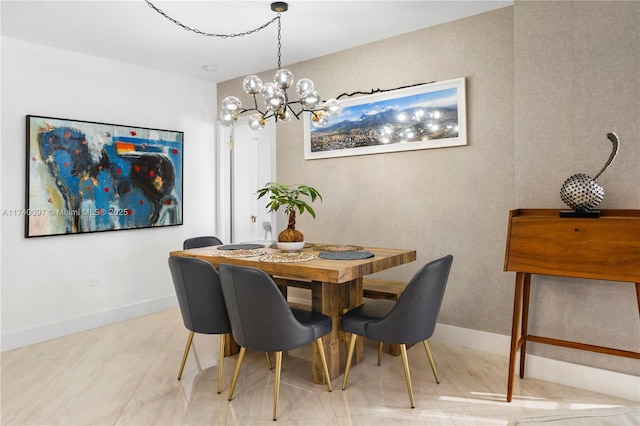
29	336
579	376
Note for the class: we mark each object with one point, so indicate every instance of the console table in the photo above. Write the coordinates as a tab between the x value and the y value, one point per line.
539	241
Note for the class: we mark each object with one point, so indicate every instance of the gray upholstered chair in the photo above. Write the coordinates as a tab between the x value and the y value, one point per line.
261	320
197	242
410	320
201	303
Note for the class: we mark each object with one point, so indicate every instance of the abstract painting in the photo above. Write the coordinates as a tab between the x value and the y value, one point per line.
90	177
424	116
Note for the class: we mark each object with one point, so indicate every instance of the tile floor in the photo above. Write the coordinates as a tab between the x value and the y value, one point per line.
125	374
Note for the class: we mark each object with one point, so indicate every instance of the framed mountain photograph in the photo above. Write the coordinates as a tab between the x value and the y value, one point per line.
426	116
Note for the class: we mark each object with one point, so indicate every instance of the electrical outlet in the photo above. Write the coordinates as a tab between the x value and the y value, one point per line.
95	282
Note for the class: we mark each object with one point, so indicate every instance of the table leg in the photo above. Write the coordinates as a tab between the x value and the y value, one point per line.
515	331
230	345
525	321
332	300
352	293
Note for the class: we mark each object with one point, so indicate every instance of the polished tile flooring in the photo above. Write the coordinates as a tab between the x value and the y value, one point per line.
125	374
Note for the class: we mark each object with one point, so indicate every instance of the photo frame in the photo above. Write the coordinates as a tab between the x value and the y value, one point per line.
87	177
425	116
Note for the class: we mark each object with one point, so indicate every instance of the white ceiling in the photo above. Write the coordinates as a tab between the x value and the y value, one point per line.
131	31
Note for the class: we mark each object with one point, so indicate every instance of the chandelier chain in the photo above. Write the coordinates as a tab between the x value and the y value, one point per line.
197	31
279	40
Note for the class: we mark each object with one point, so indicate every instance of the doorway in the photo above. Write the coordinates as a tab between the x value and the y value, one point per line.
247	163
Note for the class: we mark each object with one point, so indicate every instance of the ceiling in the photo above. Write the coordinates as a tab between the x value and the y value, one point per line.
131	31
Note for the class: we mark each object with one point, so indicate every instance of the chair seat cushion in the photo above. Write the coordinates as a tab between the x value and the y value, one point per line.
356	320
320	323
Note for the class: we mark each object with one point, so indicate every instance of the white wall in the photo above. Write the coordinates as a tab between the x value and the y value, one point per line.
45	281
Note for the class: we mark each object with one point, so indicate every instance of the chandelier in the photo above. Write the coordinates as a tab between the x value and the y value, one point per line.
275	95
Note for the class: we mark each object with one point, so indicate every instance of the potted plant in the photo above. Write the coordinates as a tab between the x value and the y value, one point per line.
294	198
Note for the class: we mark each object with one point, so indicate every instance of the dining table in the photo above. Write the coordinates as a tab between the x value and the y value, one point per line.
333	273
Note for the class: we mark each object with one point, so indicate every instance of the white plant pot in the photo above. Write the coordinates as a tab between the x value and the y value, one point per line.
290	247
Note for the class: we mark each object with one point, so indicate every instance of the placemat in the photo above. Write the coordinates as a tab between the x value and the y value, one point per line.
337	247
306	245
345	255
286	257
240	247
239	253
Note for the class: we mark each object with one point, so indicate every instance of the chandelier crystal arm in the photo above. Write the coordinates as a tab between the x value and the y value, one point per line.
197	31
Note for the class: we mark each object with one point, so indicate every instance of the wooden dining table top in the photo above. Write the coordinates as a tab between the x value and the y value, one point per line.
317	269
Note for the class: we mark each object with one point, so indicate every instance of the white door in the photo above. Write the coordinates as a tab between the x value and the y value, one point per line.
251	165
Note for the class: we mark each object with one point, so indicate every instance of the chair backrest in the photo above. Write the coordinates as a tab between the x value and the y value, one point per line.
199	295
260	317
413	318
197	242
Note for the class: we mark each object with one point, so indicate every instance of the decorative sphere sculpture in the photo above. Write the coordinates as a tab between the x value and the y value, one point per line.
581	192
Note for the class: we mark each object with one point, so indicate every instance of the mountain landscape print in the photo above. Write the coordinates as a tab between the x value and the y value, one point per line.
420	117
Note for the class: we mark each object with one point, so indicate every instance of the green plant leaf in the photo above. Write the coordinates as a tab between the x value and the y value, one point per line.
290	197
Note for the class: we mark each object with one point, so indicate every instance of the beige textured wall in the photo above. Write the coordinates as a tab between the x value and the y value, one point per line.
577	77
437	201
528	118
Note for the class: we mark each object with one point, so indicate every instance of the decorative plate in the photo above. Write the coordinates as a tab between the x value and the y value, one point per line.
239	253
346	255
286	257
275	245
240	247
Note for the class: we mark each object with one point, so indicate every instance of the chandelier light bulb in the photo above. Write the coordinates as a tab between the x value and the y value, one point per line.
227	117
269	90
257	121
252	85
303	85
318	119
310	99
275	102
284	114
231	103
283	79
332	108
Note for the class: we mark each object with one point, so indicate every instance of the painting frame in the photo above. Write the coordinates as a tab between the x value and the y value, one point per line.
88	176
371	124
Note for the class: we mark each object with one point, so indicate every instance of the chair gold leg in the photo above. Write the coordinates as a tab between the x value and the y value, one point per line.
405	363
379	353
186	352
352	346
269	360
324	362
433	365
237	371
220	362
276	386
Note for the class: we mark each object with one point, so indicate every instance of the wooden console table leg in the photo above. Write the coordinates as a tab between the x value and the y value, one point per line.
638	296
525	321
515	331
